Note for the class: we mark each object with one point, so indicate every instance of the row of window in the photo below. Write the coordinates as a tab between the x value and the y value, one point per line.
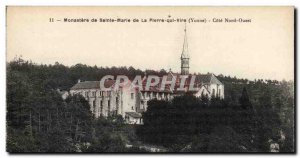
160	95
93	93
100	110
216	94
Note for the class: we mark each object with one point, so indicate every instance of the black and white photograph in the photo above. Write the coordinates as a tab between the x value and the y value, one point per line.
156	79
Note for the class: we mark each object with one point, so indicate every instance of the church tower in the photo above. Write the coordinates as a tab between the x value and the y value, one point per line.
185	56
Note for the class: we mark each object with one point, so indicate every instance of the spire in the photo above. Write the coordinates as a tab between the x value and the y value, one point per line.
185	56
184	53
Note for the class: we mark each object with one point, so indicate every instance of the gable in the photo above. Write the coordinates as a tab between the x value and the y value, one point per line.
215	80
203	90
208	79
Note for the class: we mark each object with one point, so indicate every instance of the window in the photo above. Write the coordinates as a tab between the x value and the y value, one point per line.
132	95
86	94
99	112
108	93
101	107
94	106
142	105
108	102
214	93
117	105
93	94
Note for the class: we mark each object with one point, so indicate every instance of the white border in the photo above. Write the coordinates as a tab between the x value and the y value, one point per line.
5	3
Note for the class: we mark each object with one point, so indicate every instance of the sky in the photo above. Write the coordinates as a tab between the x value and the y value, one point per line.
262	48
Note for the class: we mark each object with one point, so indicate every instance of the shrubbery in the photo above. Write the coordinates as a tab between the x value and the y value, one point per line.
195	124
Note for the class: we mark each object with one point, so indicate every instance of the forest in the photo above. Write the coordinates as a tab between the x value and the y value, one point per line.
253	117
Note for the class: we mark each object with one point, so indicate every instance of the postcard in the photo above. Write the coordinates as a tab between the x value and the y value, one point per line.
150	79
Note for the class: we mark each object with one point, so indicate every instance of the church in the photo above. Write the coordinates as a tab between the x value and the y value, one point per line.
131	103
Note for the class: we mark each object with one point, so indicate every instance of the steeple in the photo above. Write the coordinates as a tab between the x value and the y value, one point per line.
185	56
185	53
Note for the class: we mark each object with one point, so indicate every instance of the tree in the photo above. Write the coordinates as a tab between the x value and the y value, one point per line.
244	100
39	120
177	123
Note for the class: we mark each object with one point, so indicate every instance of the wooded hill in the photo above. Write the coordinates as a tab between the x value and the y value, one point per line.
39	120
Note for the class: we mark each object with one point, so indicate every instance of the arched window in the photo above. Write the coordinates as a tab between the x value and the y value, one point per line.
101	107
108	107
117	105
94	106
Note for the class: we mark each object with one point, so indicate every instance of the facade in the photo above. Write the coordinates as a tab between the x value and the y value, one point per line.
106	102
130	103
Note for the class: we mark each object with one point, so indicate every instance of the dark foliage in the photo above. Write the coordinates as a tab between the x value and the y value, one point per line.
191	124
39	120
175	124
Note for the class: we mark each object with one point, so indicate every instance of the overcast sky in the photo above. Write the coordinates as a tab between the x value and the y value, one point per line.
260	49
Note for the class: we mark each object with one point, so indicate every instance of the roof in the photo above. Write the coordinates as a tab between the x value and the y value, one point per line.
203	78
92	84
215	80
134	114
200	80
208	79
156	88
